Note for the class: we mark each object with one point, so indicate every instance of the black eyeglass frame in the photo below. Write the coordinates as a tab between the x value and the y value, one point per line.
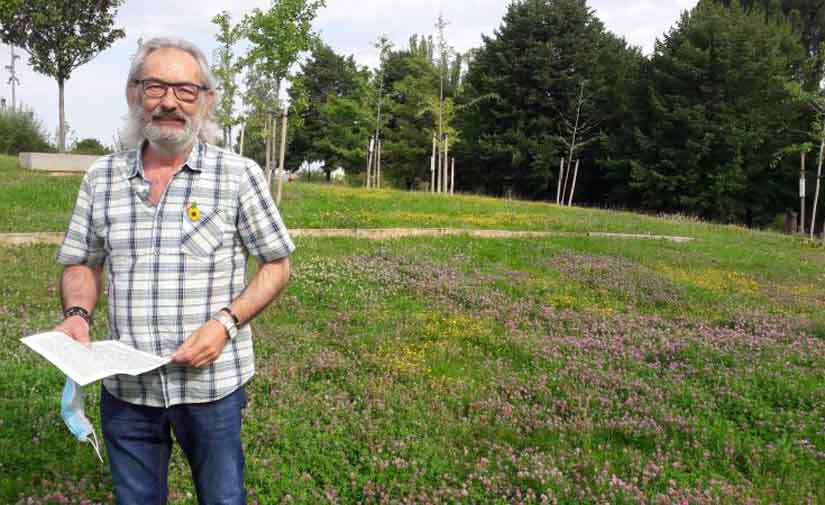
174	85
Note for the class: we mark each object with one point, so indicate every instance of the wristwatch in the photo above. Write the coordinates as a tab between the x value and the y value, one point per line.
78	311
227	319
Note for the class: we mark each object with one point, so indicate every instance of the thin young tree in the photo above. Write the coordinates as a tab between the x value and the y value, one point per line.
59	37
278	36
577	132
226	68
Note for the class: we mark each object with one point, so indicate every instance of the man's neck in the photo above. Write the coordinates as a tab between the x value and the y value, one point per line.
154	158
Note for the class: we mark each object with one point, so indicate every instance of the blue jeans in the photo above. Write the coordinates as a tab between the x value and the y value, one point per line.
139	442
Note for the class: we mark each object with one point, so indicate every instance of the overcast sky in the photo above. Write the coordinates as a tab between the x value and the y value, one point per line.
95	103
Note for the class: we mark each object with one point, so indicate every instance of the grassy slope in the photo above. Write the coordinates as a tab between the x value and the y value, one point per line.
588	370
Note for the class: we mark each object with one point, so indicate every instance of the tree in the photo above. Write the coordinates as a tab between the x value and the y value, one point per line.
59	37
278	36
719	115
411	103
89	146
226	70
807	17
534	66
329	93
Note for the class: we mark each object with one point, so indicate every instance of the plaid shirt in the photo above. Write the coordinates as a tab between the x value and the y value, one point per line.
170	267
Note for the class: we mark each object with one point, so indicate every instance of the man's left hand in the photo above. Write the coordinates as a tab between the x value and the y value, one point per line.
203	346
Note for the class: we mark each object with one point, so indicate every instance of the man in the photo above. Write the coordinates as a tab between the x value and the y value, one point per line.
174	221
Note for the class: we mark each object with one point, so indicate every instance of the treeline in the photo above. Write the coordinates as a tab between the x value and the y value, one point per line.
711	124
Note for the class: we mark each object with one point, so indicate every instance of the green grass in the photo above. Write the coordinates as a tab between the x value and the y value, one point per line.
459	370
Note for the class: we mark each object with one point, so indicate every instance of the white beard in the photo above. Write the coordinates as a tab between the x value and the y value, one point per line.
167	139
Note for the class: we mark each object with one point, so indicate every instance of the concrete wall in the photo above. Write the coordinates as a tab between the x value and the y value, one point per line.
50	162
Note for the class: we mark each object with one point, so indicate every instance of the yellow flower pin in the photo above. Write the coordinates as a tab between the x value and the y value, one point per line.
193	212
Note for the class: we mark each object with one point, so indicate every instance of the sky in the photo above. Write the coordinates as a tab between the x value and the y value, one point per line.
95	100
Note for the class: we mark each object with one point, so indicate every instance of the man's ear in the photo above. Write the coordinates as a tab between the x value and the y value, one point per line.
133	95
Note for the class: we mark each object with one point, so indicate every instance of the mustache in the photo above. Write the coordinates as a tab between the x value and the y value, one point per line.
161	114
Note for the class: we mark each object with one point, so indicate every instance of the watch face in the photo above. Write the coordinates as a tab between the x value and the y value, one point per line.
227	322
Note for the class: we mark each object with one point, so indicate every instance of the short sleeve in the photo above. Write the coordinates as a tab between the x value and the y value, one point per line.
81	245
260	226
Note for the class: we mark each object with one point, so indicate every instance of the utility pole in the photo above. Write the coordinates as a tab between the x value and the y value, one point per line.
13	80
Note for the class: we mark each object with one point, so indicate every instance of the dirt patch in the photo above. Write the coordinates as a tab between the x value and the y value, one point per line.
377	234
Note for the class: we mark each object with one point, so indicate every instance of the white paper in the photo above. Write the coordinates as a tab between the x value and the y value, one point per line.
89	364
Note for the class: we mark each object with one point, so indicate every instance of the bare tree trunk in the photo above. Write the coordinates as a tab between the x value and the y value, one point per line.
558	186
446	161
273	146
452	179
432	166
378	167
243	130
268	149
282	166
369	161
816	193
438	164
802	194
573	186
61	141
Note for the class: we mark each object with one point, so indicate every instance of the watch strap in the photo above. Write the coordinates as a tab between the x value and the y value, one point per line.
232	314
78	311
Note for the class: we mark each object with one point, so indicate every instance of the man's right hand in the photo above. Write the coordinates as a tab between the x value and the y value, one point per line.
77	328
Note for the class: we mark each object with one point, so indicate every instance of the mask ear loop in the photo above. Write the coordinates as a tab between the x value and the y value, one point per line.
96	445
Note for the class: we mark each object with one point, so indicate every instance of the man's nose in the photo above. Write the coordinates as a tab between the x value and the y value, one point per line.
169	102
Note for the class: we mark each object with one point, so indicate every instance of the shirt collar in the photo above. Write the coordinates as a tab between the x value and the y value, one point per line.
193	162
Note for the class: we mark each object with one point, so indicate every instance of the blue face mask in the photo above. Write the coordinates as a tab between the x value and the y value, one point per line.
71	410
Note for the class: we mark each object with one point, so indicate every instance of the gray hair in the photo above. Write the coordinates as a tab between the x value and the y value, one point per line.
133	136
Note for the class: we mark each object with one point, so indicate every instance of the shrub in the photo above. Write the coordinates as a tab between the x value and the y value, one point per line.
90	146
21	131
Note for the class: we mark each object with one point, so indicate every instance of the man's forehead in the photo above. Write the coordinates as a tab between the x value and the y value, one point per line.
171	64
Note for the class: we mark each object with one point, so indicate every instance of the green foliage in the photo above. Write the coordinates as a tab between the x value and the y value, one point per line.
226	71
533	68
59	36
330	96
280	34
21	131
718	113
89	146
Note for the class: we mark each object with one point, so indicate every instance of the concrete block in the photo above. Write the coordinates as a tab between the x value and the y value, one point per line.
52	162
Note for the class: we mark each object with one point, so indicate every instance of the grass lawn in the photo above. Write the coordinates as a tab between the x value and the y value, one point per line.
458	370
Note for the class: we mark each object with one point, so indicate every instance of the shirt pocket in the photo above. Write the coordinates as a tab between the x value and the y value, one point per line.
204	236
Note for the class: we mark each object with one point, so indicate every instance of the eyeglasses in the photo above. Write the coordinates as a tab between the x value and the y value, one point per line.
184	91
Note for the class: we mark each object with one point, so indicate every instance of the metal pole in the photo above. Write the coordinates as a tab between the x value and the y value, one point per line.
13	80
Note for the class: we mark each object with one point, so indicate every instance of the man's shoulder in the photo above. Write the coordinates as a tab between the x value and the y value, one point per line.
108	165
227	157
